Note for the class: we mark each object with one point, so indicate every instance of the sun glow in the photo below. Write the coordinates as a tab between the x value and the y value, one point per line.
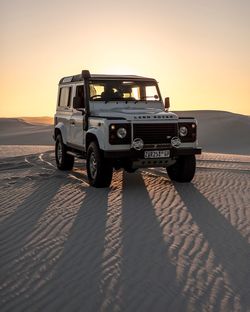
190	53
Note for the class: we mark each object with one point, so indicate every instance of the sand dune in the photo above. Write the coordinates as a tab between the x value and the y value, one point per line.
45	120
219	132
222	132
15	131
145	244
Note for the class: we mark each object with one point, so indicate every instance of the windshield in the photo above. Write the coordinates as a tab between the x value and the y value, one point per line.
123	90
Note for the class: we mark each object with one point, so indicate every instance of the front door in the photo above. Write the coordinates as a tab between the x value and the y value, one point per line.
76	135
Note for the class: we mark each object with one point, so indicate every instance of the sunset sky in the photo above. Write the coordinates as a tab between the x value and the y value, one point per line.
198	50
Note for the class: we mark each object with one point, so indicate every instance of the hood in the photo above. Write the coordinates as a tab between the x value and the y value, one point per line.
137	113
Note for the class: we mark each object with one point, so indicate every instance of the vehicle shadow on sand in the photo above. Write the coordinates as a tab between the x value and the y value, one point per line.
75	284
231	250
106	266
18	231
147	279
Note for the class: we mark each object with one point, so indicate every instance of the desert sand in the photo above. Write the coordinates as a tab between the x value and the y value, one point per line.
144	244
26	131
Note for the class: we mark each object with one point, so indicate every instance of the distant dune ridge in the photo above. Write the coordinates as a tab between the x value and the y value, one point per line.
218	131
222	132
39	120
25	131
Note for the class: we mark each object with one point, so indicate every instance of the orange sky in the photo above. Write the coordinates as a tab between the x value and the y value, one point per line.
198	50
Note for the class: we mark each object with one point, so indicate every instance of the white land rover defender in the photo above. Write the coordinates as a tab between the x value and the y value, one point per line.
121	122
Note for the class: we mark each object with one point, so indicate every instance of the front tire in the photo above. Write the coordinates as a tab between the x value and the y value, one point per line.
183	170
99	170
63	160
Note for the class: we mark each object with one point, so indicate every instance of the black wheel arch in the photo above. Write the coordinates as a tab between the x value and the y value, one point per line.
90	137
57	132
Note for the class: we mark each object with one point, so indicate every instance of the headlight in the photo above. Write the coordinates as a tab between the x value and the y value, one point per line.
183	131
121	133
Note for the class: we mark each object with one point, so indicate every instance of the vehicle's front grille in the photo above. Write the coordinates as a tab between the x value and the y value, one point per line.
155	133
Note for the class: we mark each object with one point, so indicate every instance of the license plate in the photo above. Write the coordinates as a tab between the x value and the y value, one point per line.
157	154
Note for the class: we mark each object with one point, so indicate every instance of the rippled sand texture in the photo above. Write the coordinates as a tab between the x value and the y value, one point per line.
145	244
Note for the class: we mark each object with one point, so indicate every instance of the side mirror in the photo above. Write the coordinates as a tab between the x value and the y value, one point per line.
167	103
77	103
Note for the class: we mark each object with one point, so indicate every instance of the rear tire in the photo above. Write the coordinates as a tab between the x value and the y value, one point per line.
183	170
99	170
63	160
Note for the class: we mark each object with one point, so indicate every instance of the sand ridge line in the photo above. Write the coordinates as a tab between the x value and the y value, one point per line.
163	171
43	244
144	244
223	157
194	244
13	166
246	171
10	151
223	161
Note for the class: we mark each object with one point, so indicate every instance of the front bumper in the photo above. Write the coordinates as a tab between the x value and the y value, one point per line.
133	154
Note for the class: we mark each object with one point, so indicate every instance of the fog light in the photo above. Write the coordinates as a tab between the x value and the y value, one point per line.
137	144
121	133
183	131
175	142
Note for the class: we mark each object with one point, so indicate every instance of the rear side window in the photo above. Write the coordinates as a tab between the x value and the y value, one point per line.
64	98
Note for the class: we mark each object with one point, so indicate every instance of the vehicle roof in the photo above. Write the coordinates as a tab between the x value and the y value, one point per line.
76	78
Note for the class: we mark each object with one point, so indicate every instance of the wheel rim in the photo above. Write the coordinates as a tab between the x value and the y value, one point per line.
92	166
59	152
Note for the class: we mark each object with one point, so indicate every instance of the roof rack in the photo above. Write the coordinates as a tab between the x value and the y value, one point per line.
86	74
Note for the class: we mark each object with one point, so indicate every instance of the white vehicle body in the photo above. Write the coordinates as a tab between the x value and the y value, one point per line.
125	117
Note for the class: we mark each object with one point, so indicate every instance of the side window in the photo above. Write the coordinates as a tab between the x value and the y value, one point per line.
64	99
80	94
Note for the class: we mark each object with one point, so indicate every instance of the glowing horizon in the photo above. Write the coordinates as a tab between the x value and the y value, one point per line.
198	51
